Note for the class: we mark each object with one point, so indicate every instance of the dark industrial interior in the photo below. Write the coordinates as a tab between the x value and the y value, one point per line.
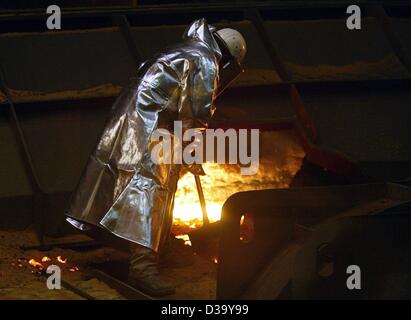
334	182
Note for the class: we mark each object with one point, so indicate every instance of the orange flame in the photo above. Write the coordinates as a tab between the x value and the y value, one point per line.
45	259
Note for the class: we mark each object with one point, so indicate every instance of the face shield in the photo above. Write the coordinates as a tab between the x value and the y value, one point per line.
229	67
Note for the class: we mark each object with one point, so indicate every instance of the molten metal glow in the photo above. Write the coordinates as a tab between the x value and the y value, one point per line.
61	260
45	259
186	239
280	159
187	209
36	264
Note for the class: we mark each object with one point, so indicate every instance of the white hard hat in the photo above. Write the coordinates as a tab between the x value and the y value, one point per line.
235	42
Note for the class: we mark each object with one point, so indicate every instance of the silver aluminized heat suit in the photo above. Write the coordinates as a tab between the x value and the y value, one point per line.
121	188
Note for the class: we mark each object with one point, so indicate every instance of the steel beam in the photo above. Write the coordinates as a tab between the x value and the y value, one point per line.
386	24
123	288
304	119
188	8
122	23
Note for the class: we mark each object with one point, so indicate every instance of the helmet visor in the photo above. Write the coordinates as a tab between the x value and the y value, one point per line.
228	73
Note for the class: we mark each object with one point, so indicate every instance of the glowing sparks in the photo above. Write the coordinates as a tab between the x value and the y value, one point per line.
36	264
61	260
46	261
74	269
246	227
215	260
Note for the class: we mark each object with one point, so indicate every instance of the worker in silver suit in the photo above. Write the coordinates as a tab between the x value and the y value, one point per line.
122	190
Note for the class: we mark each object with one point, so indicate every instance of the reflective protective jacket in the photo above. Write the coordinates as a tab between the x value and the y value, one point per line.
121	188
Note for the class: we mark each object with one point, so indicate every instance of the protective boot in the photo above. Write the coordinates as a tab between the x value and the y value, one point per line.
144	275
175	254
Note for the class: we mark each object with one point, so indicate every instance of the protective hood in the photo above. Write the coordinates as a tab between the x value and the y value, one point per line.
199	30
122	189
